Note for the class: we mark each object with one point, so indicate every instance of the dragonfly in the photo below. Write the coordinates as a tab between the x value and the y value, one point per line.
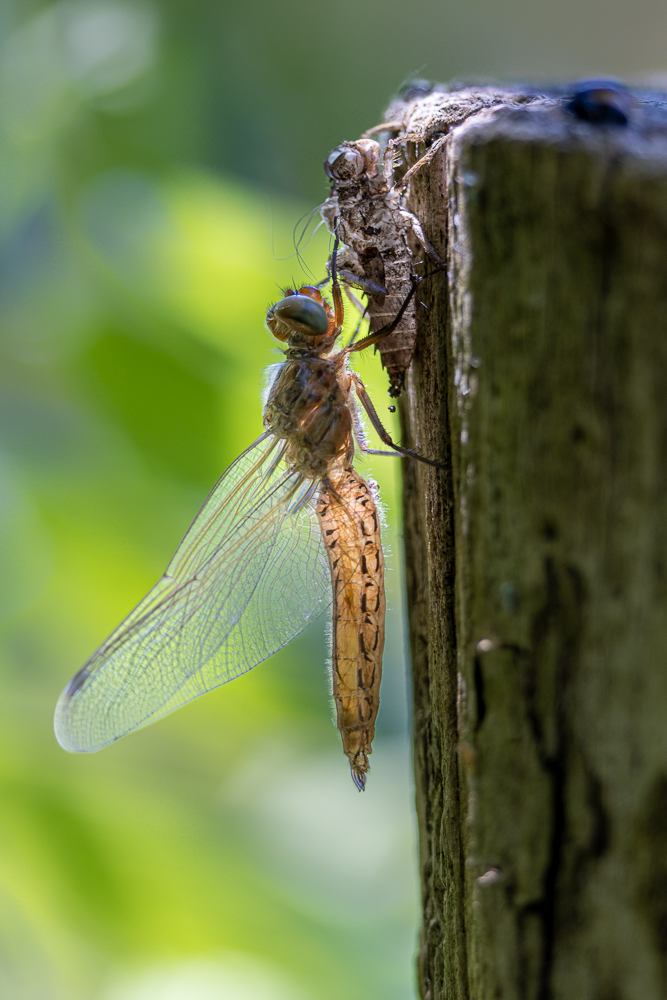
289	530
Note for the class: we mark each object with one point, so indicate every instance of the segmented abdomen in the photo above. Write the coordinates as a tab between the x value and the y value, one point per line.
351	531
397	349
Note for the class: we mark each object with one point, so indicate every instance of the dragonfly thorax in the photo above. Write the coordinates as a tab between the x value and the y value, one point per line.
308	408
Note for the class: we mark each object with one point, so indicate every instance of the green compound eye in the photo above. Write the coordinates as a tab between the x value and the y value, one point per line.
300	312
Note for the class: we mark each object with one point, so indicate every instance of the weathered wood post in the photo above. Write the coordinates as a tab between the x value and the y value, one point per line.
537	564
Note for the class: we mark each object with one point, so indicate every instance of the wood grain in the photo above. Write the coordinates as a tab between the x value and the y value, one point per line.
537	565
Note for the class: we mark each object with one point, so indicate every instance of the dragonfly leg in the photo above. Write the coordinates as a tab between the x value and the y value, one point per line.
363	282
426	158
391	154
384	127
336	293
384	435
378	451
358	432
374	338
359	306
422	238
362	317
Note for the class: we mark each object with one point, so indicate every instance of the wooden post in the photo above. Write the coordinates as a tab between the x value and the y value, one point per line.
537	563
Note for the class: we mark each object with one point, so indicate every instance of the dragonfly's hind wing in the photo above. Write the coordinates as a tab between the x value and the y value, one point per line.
249	575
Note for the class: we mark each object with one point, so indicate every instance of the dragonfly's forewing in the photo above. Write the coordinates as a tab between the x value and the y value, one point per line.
249	575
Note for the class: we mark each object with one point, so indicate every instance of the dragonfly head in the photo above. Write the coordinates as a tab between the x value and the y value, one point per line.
347	162
303	319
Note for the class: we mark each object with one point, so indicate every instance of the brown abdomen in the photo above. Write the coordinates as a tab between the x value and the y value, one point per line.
351	531
397	349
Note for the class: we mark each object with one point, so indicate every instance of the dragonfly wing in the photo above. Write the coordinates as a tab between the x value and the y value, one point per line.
249	575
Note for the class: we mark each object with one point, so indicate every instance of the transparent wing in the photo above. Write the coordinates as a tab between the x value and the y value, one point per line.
249	575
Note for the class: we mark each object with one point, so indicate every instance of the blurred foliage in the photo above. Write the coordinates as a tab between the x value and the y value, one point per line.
224	853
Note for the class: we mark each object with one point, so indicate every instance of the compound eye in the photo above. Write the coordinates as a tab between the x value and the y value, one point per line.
344	164
302	314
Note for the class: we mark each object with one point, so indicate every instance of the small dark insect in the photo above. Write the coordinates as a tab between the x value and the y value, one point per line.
392	409
601	102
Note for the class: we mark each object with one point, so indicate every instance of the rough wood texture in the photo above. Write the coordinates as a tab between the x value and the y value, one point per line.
537	565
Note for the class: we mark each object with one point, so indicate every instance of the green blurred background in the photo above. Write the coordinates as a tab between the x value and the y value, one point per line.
154	159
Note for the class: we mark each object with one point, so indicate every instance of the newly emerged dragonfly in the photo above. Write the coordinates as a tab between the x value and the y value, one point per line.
289	529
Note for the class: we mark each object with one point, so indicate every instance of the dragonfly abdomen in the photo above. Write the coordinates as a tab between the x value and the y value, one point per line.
350	527
398	347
